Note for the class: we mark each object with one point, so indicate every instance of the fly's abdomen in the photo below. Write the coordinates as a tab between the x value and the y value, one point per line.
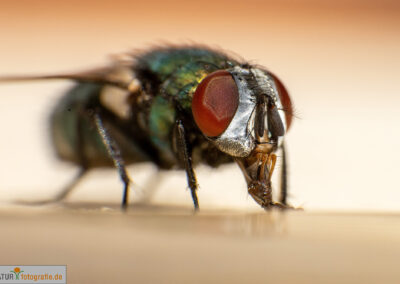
75	136
69	121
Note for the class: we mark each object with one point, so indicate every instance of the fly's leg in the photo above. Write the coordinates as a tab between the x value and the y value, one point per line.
84	169
70	186
115	155
80	146
184	154
64	192
284	183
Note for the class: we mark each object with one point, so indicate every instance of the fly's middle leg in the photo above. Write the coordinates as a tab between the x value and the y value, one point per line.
115	154
185	157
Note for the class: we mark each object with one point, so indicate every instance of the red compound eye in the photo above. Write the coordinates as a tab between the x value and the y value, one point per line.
285	100
215	102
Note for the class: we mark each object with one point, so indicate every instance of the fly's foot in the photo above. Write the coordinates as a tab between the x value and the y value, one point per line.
37	202
280	206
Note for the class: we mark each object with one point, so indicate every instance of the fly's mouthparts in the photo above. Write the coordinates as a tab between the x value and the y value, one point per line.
262	139
266	142
271	161
268	161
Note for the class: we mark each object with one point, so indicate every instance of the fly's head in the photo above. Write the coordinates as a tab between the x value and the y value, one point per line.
245	111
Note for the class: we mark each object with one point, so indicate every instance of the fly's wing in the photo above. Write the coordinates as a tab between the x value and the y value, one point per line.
116	76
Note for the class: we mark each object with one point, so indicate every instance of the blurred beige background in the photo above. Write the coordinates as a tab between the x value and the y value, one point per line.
340	61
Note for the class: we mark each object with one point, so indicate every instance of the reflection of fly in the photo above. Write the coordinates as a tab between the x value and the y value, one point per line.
175	106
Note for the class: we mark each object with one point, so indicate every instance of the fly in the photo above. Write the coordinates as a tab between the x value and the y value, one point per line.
175	107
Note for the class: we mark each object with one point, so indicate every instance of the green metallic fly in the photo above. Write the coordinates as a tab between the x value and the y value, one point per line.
175	106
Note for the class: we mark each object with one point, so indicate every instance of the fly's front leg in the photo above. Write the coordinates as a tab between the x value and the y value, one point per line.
186	159
284	183
115	154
